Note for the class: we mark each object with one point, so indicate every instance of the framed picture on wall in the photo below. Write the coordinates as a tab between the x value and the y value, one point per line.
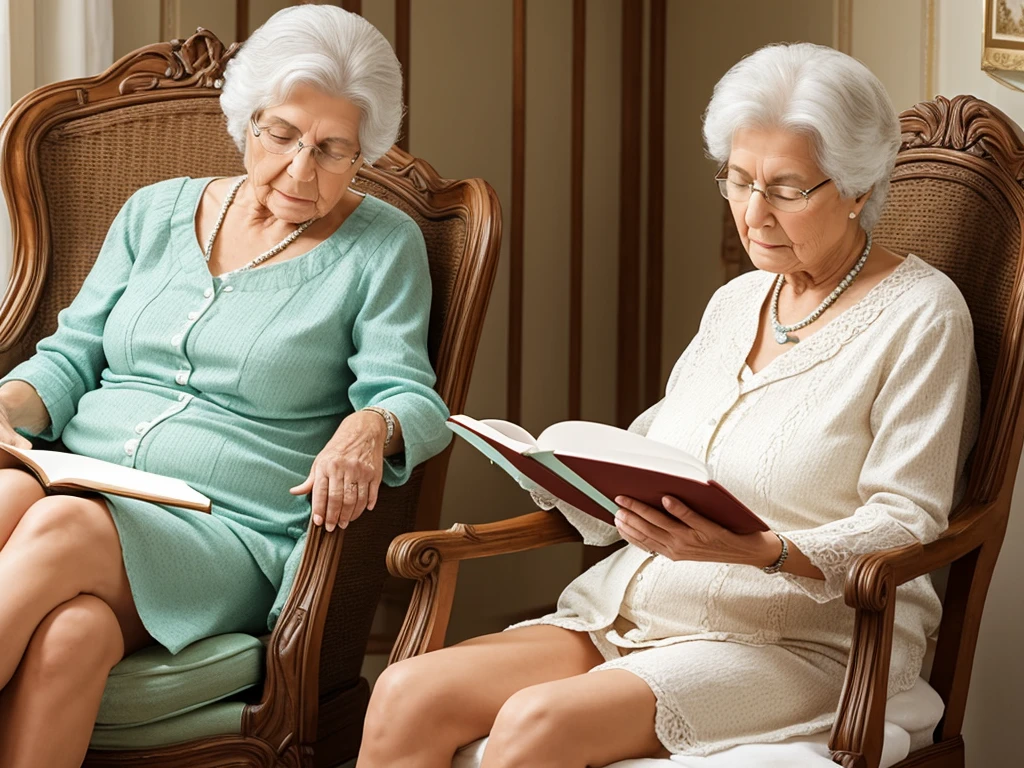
1003	54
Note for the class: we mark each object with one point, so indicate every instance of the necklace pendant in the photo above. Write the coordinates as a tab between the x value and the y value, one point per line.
781	337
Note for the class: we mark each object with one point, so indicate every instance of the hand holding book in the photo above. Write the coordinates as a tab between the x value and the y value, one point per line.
679	533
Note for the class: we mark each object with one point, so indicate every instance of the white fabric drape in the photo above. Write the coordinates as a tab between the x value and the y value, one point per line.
42	41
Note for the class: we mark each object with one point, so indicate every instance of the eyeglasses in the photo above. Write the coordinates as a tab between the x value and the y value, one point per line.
779	196
280	139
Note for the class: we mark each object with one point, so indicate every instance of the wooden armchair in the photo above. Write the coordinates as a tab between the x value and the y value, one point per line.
72	153
957	201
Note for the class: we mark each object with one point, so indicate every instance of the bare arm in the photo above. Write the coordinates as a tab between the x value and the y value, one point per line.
21	406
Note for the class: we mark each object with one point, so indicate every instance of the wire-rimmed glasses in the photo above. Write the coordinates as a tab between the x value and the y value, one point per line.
780	196
283	139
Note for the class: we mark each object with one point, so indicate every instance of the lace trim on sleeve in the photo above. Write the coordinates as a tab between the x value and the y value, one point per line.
595	533
831	547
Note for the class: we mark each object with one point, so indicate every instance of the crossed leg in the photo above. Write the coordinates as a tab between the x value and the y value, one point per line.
529	688
70	619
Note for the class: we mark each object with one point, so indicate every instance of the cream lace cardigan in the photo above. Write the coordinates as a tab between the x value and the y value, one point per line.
852	441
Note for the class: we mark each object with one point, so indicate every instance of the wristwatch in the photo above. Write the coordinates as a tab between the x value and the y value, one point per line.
389	419
777	565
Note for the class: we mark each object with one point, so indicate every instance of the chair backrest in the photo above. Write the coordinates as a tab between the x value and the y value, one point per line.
957	201
73	152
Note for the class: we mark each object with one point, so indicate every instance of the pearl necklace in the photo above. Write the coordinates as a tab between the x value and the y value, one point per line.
782	331
263	256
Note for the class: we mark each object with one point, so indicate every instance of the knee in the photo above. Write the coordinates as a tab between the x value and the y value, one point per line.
530	727
403	690
63	522
79	638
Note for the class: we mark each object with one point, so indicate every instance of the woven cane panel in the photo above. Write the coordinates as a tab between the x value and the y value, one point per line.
92	165
963	225
446	246
359	582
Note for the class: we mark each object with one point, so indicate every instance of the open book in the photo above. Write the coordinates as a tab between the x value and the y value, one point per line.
72	474
587	465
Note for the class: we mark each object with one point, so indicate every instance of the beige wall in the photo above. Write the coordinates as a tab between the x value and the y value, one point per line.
889	37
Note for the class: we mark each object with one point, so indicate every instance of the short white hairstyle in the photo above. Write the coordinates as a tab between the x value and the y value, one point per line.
323	46
830	97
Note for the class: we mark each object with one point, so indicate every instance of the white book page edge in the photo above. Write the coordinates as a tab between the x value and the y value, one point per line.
81	470
508	434
589	439
642	461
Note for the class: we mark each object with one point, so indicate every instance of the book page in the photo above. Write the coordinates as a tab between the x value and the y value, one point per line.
71	470
512	436
485	448
591	440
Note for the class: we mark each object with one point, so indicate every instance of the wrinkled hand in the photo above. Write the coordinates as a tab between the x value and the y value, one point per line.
346	474
679	533
7	434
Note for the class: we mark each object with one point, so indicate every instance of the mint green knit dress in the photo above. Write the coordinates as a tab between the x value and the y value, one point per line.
234	385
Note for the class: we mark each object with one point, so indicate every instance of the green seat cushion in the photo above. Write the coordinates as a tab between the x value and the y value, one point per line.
218	719
153	685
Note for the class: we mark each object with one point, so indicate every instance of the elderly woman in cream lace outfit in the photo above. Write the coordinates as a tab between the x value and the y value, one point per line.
834	391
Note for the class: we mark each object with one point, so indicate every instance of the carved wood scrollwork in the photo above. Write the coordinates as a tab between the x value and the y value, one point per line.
406	167
964	124
198	61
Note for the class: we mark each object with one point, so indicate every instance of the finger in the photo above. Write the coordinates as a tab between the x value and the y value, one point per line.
21	442
305	487
651	515
350	493
319	498
374	488
639	521
336	503
687	516
360	504
634	537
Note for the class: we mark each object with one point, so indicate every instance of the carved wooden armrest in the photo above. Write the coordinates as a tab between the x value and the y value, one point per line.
293	653
870	588
432	559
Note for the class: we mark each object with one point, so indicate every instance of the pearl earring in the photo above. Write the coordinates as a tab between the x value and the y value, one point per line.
853	214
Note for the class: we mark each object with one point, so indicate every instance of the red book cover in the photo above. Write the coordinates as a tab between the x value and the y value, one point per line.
708	499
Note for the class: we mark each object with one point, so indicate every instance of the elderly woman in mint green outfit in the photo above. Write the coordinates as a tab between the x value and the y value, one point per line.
263	338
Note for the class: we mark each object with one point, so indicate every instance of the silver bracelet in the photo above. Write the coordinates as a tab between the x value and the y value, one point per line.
389	419
777	565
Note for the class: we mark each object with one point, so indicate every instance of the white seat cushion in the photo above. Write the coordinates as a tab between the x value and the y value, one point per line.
916	712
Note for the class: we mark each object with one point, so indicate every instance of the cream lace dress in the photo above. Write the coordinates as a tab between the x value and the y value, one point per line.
852	441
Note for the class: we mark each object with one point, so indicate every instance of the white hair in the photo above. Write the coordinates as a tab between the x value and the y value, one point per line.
817	91
328	48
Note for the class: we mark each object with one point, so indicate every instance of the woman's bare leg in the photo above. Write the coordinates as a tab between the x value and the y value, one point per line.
423	709
588	720
48	710
64	546
19	490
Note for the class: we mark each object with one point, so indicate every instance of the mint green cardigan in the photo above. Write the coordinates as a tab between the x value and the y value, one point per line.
234	385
